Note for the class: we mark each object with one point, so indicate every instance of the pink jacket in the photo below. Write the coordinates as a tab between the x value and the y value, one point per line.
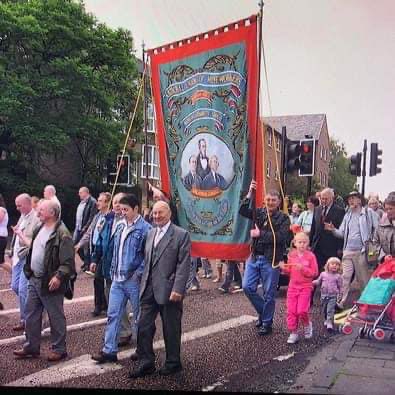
302	278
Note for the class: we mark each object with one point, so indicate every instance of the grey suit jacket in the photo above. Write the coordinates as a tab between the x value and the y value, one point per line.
171	268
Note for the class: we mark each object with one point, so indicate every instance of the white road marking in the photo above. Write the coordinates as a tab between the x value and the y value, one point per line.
70	328
284	357
66	302
6	290
83	365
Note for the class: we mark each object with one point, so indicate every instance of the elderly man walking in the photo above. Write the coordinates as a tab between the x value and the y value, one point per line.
166	271
49	264
357	228
20	244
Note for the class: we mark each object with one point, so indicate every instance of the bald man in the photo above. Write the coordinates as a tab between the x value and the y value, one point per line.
20	243
166	271
49	265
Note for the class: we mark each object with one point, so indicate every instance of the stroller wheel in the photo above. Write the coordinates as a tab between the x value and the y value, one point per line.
362	332
379	334
347	329
369	333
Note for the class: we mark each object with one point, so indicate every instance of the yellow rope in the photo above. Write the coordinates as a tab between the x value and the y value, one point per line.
119	165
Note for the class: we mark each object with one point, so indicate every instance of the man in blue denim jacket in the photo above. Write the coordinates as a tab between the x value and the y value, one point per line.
126	270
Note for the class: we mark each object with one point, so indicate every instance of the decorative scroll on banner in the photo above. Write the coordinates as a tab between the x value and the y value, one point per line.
205	91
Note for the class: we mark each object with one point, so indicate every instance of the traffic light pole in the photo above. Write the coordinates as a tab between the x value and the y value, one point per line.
283	173
365	148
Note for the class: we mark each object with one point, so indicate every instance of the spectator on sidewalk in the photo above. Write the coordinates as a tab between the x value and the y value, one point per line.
126	270
49	265
323	242
20	244
374	204
86	210
3	235
331	283
357	228
302	268
306	218
50	194
259	265
385	234
295	213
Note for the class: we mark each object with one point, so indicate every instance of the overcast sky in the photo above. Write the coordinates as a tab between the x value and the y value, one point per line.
323	56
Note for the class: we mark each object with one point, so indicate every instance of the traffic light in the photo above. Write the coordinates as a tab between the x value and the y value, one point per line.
292	155
355	164
307	154
375	159
124	172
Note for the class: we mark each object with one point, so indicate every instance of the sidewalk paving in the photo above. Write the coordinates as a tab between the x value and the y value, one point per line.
350	365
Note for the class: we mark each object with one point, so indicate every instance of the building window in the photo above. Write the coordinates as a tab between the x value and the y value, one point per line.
268	168
325	180
321	152
153	162
276	177
150	118
269	137
134	173
326	154
278	143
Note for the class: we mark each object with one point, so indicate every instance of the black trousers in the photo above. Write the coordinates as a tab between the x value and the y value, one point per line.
171	315
98	286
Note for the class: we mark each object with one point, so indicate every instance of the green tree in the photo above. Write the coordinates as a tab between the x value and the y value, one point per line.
65	79
340	178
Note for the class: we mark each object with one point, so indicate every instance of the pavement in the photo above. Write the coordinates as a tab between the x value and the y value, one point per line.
349	365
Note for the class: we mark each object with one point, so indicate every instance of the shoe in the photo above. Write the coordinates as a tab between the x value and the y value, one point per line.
134	357
237	287
102	357
89	272
217	280
1	306
96	312
223	290
195	288
208	275
258	323
293	338
55	356
23	354
308	331
329	326
166	371
203	276
141	372
20	327
124	341
265	330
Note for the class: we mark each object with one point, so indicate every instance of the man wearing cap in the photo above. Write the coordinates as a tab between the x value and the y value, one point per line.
357	228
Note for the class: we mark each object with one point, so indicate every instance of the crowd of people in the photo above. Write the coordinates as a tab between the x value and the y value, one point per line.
141	263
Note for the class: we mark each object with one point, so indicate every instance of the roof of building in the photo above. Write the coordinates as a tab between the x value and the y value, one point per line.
298	126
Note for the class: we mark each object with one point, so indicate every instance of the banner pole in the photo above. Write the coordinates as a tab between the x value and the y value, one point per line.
145	104
260	18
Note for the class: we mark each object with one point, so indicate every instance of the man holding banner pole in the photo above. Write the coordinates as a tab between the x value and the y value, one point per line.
261	265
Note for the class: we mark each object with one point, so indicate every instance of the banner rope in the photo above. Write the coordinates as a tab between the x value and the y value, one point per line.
119	165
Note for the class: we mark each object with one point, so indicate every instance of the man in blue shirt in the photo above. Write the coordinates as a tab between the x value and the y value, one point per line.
126	270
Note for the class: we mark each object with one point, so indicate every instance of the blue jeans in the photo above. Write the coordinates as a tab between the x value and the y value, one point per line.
259	268
192	280
120	293
19	286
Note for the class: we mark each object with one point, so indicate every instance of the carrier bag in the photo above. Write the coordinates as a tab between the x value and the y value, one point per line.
378	291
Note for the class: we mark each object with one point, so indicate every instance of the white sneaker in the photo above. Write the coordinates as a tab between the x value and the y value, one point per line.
326	323
308	331
293	338
329	325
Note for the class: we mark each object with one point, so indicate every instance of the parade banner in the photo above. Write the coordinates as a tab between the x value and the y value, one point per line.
205	97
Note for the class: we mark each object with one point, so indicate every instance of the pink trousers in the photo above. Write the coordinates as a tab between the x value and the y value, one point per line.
298	306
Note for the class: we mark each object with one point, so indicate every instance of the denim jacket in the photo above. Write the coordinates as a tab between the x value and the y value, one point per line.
133	248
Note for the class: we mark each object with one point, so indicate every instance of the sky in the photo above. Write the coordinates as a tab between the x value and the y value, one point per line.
323	56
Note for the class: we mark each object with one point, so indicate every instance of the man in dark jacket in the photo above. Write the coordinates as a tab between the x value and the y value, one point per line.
85	213
323	242
259	265
49	266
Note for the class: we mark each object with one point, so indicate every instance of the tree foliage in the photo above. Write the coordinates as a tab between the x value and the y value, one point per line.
340	178
65	79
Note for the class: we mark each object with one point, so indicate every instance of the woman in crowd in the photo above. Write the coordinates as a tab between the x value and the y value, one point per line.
306	218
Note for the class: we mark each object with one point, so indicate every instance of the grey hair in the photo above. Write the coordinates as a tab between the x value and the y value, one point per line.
24	196
328	191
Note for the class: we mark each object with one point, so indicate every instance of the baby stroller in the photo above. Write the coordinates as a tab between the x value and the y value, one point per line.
374	312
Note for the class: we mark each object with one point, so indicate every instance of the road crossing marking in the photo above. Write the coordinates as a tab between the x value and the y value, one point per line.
6	290
83	365
66	302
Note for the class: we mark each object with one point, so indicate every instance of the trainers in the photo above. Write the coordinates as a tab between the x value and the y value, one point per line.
208	275
293	338
329	326
195	288
237	287
308	331
89	272
223	290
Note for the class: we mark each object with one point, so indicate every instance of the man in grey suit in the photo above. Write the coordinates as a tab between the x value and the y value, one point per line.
166	271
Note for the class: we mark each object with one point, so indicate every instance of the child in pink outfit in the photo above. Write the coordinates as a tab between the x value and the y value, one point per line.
303	268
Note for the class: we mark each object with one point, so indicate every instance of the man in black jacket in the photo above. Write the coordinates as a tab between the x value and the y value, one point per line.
86	210
259	265
323	243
